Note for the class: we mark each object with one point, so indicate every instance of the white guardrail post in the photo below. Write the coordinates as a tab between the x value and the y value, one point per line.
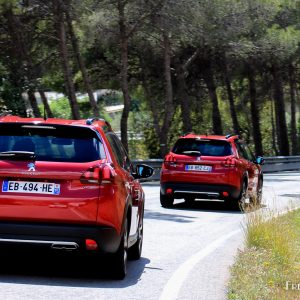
272	164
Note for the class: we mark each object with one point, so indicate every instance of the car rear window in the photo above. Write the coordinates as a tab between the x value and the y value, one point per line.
58	143
202	147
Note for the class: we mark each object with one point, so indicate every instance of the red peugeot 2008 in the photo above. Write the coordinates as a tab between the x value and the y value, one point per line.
69	186
211	167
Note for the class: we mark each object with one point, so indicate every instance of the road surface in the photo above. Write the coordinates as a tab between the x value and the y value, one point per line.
186	255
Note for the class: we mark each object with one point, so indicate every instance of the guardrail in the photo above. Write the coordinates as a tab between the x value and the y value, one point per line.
281	163
272	164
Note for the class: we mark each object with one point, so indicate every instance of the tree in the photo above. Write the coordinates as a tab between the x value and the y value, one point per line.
59	22
67	7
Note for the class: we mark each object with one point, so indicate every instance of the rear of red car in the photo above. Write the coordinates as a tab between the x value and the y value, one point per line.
202	167
69	185
53	187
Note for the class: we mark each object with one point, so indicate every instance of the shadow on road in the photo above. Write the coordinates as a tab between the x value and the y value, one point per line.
297	196
207	206
168	216
175	213
65	271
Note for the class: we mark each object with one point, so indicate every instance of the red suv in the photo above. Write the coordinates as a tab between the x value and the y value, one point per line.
69	186
211	167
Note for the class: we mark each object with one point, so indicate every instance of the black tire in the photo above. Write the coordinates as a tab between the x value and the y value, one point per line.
135	251
121	256
166	201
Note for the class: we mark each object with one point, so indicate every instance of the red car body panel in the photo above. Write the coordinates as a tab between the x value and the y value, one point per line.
96	195
177	173
226	172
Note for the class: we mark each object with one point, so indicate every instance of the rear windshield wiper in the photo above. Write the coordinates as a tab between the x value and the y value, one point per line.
192	152
17	155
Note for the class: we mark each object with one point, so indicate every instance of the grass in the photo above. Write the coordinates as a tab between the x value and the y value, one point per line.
271	258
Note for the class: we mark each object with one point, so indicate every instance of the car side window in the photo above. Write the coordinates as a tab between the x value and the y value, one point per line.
119	151
244	151
115	149
249	153
240	150
126	163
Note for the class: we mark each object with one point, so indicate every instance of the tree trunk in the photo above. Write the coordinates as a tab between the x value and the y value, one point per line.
294	138
254	113
183	98
282	134
235	123
81	64
162	131
169	107
33	103
151	102
23	61
63	49
209	80
46	104
124	73
273	128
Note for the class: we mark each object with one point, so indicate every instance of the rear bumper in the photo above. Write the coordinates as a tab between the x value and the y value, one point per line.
199	191
56	237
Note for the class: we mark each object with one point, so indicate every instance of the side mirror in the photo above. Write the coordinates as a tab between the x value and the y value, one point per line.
260	160
143	171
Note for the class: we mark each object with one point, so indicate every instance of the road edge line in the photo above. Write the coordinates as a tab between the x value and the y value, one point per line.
173	286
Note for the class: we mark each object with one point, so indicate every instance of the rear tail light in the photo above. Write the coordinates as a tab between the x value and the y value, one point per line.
107	173
98	174
230	162
170	161
92	175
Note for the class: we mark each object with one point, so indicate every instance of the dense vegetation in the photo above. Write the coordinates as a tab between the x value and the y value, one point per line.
208	66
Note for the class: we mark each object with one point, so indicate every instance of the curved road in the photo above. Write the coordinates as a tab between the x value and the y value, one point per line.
187	253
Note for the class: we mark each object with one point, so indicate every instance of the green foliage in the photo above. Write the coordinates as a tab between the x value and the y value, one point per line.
61	109
256	33
11	98
53	81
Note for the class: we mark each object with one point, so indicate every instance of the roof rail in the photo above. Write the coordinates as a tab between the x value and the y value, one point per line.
230	135
90	121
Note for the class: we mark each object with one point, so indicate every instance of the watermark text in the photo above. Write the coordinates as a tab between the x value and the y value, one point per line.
292	286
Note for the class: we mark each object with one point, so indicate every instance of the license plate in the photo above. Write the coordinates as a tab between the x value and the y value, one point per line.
31	187
198	168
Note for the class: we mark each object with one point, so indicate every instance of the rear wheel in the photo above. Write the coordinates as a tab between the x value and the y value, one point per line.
120	257
166	200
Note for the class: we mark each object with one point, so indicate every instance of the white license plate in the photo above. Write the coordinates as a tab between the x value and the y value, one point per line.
31	187
198	168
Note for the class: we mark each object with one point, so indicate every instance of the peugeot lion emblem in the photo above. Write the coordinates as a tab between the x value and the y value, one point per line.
31	167
198	158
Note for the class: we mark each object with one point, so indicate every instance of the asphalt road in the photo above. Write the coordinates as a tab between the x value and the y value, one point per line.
187	253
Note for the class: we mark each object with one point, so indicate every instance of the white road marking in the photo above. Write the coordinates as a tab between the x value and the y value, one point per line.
172	288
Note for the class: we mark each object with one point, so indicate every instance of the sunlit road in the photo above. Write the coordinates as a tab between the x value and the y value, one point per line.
187	253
